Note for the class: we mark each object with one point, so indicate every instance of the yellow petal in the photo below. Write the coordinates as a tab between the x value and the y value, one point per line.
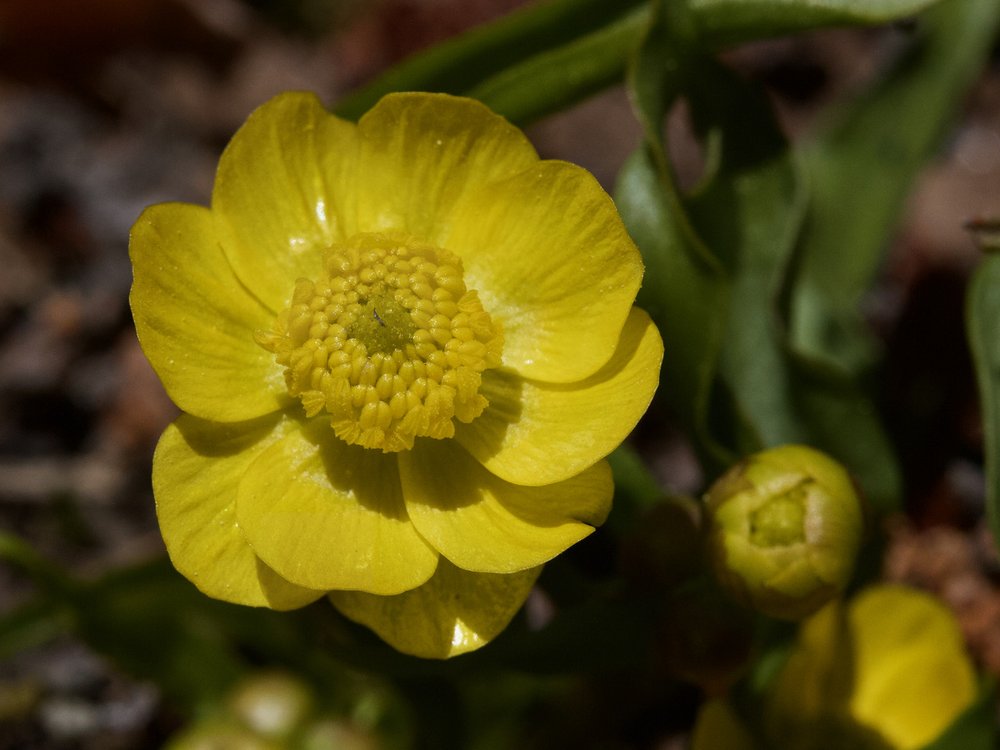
538	433
283	192
196	471
913	675
329	515
454	612
553	263
482	523
422	152
194	320
818	677
888	668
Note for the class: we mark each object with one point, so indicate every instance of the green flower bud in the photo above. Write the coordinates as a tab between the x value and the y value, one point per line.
273	705
336	734
704	637
665	548
784	529
212	735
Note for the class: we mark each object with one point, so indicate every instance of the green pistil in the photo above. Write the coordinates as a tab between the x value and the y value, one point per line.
780	521
382	325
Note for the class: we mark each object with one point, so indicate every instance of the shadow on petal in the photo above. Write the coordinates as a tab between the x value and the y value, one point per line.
369	476
482	523
226	438
537	433
453	613
503	388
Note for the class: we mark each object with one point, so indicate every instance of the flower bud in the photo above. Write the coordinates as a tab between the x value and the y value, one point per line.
337	734
704	637
784	530
887	670
272	705
665	548
221	733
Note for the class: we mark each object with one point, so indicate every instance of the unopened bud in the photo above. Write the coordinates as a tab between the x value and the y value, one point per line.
704	637
784	529
665	549
272	705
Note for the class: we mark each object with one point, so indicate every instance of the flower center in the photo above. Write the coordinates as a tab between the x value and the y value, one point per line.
781	520
389	342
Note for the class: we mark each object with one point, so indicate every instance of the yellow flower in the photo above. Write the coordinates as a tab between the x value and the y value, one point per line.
403	349
888	671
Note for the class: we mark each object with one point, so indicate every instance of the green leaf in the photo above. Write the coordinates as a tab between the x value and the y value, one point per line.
685	294
32	624
716	264
684	288
549	55
471	59
844	422
862	169
727	22
982	324
633	482
748	211
559	77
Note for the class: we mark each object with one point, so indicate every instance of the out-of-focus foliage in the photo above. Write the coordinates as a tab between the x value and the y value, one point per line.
892	130
983	320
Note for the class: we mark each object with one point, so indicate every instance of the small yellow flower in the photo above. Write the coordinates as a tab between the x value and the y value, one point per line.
403	349
889	671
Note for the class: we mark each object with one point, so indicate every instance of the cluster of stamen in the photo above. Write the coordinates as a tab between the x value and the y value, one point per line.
389	342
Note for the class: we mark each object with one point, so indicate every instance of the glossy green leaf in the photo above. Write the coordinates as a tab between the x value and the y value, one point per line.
469	60
727	22
552	54
684	288
982	324
748	211
716	265
685	294
844	421
560	77
862	168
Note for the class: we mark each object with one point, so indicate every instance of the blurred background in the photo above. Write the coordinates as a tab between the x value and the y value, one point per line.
107	106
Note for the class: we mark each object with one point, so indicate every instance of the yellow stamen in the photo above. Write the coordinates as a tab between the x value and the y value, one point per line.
389	342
